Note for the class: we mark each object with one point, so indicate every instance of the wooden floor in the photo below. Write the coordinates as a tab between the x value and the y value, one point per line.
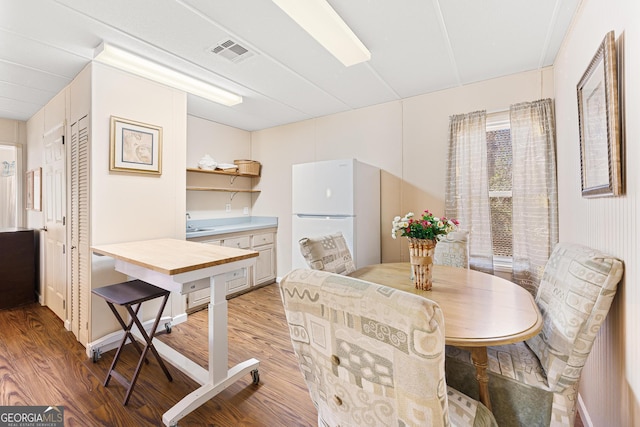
42	364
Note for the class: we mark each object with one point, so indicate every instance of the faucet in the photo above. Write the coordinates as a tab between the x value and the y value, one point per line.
189	226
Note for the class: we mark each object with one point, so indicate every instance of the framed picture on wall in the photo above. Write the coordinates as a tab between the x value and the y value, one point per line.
29	190
37	189
599	120
135	147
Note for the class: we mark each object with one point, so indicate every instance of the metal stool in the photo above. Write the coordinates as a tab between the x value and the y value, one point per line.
128	294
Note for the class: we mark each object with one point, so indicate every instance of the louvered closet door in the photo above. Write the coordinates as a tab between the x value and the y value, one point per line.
79	221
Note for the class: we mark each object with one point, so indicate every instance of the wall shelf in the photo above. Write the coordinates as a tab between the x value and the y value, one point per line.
222	172
229	190
232	174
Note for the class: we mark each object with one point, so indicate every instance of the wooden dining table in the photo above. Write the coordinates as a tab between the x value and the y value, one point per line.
480	309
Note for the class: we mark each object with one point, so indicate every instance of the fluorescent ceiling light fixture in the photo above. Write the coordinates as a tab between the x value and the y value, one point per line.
116	57
319	19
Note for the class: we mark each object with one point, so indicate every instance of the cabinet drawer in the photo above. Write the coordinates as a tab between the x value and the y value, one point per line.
235	285
262	239
237	242
196	285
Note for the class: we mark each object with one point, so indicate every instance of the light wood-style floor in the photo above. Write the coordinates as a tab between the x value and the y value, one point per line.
42	364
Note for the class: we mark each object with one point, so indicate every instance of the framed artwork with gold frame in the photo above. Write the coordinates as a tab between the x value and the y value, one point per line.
135	147
29	191
37	189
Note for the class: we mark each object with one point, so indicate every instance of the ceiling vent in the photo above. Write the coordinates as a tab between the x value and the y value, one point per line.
231	50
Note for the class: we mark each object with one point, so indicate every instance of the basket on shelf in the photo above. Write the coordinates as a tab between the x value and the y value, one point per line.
248	167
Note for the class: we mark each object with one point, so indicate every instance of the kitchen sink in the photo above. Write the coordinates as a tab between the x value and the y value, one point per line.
195	229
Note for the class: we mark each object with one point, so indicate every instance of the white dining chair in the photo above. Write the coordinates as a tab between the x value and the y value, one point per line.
327	253
452	249
535	383
372	355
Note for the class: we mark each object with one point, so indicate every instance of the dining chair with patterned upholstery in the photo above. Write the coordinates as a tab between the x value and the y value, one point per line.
535	383
327	253
372	355
452	249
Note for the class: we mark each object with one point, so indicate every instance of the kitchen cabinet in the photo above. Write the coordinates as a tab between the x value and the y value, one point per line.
240	281
264	244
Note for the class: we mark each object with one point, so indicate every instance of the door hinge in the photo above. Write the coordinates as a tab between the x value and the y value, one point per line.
64	249
62	139
64	220
64	304
87	326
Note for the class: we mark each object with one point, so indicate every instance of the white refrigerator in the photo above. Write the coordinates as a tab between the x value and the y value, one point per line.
337	195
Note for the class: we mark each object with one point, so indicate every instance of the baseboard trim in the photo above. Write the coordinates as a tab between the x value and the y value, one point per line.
584	415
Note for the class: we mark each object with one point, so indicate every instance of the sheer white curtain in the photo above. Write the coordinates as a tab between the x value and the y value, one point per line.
534	190
467	193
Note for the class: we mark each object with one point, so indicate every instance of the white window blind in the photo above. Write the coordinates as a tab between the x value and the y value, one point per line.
500	174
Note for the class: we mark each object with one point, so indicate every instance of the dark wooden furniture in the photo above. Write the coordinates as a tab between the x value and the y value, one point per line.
129	294
18	267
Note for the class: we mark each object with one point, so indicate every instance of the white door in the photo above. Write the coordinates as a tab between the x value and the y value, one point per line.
55	257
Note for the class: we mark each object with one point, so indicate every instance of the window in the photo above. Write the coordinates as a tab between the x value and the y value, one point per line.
499	169
8	187
501	185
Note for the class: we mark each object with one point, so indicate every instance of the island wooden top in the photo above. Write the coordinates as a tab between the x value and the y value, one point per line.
172	256
479	309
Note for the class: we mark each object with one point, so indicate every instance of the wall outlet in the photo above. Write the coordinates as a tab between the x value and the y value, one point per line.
245	211
227	207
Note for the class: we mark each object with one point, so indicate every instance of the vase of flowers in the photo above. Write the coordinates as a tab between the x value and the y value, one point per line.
422	234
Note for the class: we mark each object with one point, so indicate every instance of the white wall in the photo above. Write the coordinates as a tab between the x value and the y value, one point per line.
406	139
610	384
12	132
224	144
130	206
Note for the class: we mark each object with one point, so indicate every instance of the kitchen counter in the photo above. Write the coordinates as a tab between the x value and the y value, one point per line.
219	226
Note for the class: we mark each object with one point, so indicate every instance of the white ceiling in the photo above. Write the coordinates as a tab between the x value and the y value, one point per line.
417	46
